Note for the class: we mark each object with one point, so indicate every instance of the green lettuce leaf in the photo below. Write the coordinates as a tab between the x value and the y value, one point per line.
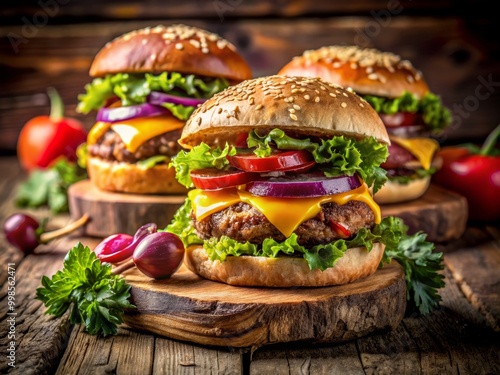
419	173
153	160
181	225
434	114
133	89
337	156
199	157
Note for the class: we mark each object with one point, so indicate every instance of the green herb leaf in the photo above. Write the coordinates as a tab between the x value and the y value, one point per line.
420	263
181	225
337	155
433	112
133	89
199	157
97	298
49	187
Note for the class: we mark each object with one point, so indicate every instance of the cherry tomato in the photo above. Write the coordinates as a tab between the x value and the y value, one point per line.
213	179
43	139
401	119
280	161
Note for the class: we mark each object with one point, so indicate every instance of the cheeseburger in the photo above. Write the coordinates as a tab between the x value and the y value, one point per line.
282	170
147	83
400	95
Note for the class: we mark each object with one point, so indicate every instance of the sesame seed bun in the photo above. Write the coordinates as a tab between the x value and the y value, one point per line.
303	106
176	48
132	178
367	71
284	272
395	192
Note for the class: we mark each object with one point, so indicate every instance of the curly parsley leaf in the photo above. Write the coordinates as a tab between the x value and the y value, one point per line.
337	156
49	187
434	113
97	298
420	263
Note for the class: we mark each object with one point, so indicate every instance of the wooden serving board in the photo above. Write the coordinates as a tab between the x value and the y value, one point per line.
112	213
187	307
440	213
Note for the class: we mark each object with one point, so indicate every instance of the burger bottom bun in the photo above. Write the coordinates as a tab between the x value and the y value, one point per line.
394	192
131	178
284	272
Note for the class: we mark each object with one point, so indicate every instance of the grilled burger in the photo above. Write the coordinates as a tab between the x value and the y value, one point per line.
281	170
401	96
147	83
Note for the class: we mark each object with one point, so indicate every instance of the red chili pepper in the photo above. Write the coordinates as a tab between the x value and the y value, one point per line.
43	139
340	229
475	174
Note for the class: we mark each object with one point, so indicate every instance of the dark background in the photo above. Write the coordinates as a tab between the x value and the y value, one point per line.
454	43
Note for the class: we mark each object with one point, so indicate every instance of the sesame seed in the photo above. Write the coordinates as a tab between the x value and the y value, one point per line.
259	106
198	120
354	66
293	117
179	46
290	99
373	76
337	64
369	70
343	105
307	97
316	99
205	50
291	110
251	100
361	105
333	95
219	111
410	79
345	94
297	107
194	43
294	91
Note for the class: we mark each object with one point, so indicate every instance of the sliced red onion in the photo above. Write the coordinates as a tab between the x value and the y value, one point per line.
156	97
130	112
305	186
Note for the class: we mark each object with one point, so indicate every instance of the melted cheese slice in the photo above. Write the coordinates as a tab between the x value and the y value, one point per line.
136	131
422	148
286	214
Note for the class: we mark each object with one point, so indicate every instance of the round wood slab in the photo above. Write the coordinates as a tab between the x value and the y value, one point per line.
187	307
112	213
440	213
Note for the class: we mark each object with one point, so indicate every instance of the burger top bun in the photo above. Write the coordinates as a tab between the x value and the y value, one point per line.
367	71
299	105
176	48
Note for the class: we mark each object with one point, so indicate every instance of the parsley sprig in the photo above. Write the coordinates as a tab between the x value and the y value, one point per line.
97	298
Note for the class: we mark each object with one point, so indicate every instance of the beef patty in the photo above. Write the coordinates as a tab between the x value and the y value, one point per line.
110	147
242	223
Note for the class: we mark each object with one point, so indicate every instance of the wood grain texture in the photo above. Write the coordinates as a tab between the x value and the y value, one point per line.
451	340
112	213
451	52
187	307
440	213
476	270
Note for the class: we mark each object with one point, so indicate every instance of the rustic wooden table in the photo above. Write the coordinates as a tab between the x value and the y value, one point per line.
461	337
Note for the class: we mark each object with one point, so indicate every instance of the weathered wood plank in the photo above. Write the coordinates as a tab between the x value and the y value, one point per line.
297	360
221	9
39	339
125	353
476	270
176	357
455	58
455	338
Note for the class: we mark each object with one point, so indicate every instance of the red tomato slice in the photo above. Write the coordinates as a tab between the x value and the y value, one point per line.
213	179
282	161
401	119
